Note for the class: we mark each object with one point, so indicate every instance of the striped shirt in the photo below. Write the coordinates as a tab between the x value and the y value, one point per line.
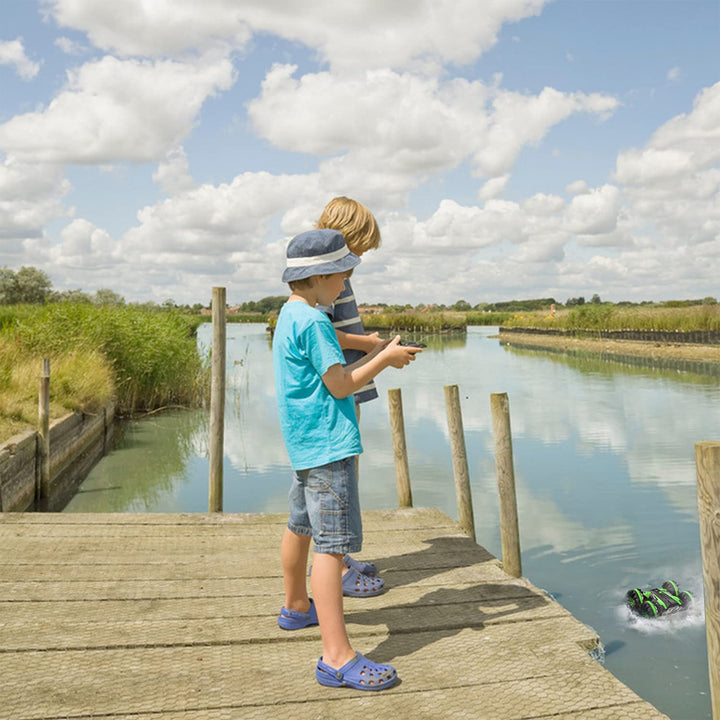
345	317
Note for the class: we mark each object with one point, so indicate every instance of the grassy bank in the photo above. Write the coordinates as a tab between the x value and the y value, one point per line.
612	317
415	322
142	359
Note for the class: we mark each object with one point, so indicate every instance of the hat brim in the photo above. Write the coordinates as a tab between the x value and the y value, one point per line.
345	263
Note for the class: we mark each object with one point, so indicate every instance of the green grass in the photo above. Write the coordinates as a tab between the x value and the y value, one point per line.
150	358
80	381
415	322
604	316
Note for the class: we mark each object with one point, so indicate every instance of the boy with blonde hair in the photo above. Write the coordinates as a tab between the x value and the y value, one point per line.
361	233
314	393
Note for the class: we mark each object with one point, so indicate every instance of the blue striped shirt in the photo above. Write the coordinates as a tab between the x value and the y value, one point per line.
346	318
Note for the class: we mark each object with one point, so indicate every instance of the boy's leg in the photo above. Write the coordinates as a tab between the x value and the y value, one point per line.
294	555
327	594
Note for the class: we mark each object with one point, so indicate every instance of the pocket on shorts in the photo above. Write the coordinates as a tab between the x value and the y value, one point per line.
331	494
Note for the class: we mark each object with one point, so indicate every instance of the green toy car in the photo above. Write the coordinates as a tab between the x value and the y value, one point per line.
657	602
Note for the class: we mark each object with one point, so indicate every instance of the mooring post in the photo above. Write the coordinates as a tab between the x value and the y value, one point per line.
42	487
509	532
217	401
707	462
402	471
459	457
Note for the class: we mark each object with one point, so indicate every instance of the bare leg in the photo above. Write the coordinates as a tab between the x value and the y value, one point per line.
328	597
357	457
294	555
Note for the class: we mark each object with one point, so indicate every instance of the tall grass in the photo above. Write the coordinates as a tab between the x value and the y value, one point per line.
80	381
611	317
152	355
417	322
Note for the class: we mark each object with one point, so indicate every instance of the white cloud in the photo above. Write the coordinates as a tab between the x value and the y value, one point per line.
420	125
12	53
595	212
30	196
116	110
84	246
71	47
372	34
173	173
493	187
579	187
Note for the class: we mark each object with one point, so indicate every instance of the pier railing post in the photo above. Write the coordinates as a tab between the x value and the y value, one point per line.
397	425
707	462
459	457
42	488
217	401
509	532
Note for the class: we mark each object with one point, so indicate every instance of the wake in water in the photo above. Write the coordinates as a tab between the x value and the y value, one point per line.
670	623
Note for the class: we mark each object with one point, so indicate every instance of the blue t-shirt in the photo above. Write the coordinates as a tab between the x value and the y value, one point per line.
317	427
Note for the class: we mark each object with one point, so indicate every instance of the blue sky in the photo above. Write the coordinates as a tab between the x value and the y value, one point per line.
534	149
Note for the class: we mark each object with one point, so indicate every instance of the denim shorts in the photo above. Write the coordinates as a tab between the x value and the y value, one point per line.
324	503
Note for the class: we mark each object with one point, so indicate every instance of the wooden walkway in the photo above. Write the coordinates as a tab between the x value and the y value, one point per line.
173	617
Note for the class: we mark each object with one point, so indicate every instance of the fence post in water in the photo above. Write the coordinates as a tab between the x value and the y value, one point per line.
509	532
397	425
217	401
42	488
707	462
459	456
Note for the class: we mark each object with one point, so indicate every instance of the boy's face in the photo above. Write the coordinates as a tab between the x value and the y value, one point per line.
328	287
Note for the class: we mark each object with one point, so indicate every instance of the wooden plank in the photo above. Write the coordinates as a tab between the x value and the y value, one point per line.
178	619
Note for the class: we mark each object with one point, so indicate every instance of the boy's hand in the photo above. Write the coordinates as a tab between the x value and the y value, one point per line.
399	355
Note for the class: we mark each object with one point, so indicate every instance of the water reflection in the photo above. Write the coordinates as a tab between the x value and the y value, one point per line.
153	458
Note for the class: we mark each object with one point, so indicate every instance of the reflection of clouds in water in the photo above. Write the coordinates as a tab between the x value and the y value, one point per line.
649	422
544	525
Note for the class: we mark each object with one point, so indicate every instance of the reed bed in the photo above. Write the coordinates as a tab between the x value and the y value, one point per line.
80	381
416	322
150	357
611	317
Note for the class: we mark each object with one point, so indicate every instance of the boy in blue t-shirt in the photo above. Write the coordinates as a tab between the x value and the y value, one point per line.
317	417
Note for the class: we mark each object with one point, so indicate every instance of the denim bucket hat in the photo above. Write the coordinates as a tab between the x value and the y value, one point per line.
317	252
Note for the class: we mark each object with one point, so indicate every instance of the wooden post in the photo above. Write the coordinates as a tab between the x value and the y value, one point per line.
42	488
707	462
509	532
217	401
459	456
402	472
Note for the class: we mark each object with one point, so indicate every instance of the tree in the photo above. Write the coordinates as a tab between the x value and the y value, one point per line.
595	300
27	285
108	297
8	286
73	296
462	306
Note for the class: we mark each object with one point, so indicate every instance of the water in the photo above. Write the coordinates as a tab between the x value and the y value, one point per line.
604	463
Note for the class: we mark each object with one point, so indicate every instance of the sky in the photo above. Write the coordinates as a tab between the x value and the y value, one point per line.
509	149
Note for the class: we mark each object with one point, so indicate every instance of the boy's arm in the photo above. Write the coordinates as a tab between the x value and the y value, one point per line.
343	381
353	341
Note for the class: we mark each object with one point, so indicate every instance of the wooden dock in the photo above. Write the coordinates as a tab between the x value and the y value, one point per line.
173	617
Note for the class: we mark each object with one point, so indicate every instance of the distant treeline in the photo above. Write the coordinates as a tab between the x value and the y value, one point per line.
32	286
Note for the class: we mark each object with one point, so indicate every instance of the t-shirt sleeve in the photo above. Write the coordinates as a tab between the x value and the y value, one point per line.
329	310
322	346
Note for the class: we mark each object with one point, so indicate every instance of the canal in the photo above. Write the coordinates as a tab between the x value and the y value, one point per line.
605	475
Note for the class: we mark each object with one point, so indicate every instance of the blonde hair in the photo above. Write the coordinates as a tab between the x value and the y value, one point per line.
354	221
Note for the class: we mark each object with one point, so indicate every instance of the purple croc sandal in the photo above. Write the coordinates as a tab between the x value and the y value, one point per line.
360	674
355	584
366	568
294	620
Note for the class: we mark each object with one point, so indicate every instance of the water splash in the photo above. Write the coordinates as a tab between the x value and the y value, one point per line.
672	623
